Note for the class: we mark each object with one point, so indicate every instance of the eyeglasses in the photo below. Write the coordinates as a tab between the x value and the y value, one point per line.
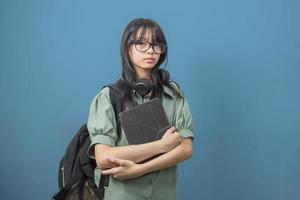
143	46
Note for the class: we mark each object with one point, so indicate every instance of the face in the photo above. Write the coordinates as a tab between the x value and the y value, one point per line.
143	62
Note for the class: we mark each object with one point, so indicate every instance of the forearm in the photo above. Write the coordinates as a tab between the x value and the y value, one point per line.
169	159
135	153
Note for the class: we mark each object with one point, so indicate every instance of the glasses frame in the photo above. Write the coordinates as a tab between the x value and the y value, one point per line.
162	45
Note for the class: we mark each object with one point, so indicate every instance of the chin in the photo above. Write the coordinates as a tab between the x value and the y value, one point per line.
147	67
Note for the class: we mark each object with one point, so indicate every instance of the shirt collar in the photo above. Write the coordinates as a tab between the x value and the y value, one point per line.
168	92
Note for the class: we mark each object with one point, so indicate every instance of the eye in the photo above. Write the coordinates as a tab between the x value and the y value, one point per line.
144	43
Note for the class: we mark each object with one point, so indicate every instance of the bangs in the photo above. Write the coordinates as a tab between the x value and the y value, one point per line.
149	29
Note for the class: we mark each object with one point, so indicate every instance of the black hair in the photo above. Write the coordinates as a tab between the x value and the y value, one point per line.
159	77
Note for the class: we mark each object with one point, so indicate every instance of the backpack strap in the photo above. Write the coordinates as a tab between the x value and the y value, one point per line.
116	101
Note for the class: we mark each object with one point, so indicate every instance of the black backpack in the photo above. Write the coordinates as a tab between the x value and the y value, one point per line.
76	170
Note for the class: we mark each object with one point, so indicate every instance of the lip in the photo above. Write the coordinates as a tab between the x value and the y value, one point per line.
149	59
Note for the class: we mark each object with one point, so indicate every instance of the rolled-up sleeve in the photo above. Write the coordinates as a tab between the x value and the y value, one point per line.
101	121
183	118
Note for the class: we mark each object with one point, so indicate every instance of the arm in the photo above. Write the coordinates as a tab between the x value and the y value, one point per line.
126	169
136	153
183	122
178	154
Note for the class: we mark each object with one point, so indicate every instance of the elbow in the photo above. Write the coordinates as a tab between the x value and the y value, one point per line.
188	153
101	156
102	162
188	149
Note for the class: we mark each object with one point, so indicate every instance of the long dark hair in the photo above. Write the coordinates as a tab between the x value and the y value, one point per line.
159	77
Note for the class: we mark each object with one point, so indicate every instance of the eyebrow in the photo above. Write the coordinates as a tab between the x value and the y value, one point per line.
143	38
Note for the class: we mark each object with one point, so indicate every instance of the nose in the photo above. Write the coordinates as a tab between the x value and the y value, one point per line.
150	50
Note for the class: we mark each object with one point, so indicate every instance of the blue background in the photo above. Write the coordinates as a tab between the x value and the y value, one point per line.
237	62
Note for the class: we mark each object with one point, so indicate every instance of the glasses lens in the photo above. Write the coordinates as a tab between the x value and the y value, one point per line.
142	45
159	48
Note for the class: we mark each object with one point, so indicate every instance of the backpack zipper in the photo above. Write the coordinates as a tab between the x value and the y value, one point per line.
63	176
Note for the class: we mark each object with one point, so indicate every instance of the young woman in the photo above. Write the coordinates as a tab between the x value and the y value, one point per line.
143	49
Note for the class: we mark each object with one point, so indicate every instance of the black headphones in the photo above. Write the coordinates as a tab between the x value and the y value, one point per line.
143	86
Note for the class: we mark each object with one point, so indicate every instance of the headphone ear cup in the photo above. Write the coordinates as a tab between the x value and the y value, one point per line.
143	86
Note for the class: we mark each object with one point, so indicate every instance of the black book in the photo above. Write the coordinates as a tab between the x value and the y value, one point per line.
145	123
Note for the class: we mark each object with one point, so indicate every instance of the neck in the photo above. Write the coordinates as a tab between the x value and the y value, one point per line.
143	74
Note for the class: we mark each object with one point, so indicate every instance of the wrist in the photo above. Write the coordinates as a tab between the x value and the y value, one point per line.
161	147
142	169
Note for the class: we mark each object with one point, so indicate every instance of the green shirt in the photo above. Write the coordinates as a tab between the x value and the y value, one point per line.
159	185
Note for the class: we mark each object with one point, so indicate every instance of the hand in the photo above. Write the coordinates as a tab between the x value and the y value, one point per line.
126	169
170	139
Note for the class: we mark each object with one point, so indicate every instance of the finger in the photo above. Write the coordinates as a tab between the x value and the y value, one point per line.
107	171
179	136
121	178
115	160
113	170
177	133
170	130
115	176
111	159
120	162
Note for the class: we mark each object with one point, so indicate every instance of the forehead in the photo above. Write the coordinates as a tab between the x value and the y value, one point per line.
145	34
